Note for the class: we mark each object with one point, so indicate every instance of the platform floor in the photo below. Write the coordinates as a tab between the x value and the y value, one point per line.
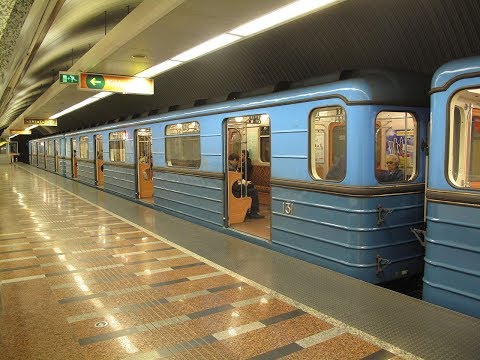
88	275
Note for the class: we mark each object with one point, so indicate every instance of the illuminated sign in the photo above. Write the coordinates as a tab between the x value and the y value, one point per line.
115	83
66	78
21	132
40	122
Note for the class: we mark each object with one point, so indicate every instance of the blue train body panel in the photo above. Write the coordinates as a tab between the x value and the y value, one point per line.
452	257
344	234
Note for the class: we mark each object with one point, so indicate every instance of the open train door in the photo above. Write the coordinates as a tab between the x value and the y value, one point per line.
73	145
98	142
144	162
248	181
56	154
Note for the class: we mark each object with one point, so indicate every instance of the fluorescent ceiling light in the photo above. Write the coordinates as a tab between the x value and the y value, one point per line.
31	127
206	47
102	95
75	107
281	15
11	137
158	69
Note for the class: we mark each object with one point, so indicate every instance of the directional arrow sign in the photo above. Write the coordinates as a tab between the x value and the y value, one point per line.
116	83
95	81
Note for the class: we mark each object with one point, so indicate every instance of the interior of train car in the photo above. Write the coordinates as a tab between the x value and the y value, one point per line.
464	139
74	164
144	164
250	135
98	151
395	134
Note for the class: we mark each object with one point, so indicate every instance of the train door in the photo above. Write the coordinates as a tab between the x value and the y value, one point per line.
37	146
43	154
56	154
144	164
248	174
73	146
98	143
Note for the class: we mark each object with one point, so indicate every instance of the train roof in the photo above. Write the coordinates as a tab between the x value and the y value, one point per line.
455	70
354	87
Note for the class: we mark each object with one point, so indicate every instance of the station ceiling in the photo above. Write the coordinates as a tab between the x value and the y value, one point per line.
40	38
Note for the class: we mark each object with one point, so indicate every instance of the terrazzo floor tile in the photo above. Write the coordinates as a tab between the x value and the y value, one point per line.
94	286
342	347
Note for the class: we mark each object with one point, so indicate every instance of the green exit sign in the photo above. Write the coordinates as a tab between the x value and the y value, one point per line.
66	78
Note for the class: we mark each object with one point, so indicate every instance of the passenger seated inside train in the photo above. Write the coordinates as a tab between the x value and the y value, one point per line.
245	187
393	172
338	169
246	167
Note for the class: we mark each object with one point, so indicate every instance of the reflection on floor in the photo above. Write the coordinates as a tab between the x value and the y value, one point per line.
148	200
258	227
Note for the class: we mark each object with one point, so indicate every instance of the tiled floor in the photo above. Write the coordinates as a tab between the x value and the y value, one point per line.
80	282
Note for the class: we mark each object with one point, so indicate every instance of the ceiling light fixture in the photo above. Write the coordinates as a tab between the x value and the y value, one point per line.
158	69
274	18
207	47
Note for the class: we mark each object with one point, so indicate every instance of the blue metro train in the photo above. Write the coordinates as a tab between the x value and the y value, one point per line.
338	166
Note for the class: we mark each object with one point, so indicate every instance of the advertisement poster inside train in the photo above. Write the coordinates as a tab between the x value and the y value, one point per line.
402	146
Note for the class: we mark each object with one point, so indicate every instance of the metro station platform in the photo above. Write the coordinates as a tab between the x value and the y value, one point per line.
88	275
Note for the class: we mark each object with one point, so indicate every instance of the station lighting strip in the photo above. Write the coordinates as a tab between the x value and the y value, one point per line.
294	10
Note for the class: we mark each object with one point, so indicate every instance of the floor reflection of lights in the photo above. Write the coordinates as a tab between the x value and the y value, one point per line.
112	321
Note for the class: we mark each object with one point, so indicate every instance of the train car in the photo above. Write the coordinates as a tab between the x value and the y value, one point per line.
452	259
335	176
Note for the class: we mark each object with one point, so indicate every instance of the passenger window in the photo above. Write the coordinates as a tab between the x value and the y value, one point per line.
464	139
83	147
116	144
395	146
328	150
50	148
182	144
265	144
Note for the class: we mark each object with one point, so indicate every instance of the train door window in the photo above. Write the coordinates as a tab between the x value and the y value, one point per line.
56	145
395	146
464	139
83	147
328	150
116	142
68	150
74	158
99	177
182	144
33	152
43	152
50	148
265	144
144	163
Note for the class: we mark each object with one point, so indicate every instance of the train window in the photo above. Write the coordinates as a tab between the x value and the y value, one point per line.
182	144
464	139
68	152
50	148
83	147
265	144
328	148
395	146
116	143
